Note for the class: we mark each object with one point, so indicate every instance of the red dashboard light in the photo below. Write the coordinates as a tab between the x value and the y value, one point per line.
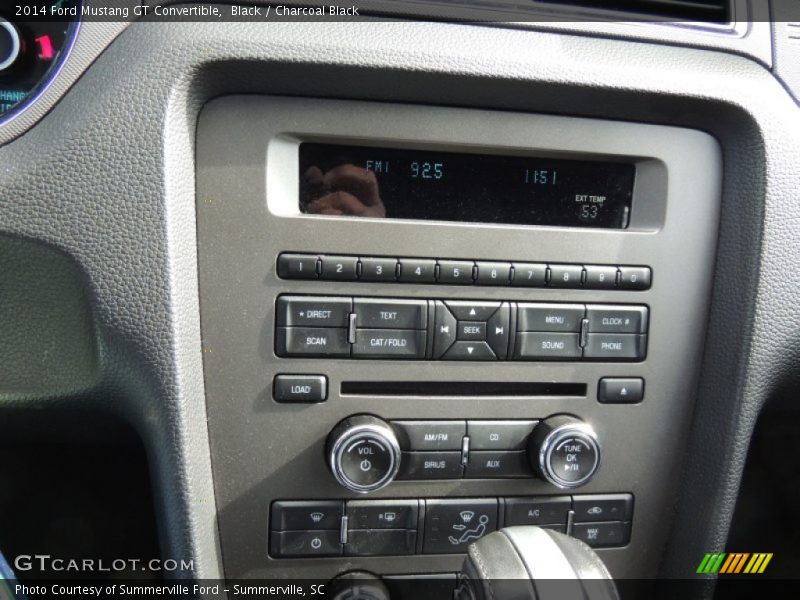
45	47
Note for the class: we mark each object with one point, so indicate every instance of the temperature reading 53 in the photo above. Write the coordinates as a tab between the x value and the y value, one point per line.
427	170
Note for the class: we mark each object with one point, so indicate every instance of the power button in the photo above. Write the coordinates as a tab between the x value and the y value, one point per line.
363	453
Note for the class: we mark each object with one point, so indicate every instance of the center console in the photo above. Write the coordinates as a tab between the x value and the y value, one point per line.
422	324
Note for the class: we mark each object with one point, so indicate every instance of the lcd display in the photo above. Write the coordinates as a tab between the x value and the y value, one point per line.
396	183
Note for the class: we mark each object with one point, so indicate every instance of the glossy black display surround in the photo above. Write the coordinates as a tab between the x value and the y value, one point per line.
396	183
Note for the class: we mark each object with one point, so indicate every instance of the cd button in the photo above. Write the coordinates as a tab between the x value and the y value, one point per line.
499	435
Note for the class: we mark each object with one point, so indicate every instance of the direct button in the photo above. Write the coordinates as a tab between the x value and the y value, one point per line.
300	388
390	314
499	435
313	311
389	343
549	317
430	435
610	318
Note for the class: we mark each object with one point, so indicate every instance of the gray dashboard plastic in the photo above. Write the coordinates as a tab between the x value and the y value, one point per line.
107	177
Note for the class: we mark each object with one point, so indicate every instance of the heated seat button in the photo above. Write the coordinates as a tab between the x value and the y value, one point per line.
455	272
634	278
300	388
499	435
497	465
390	314
615	346
382	514
566	276
600	278
599	535
297	266
311	341
430	435
613	318
452	525
537	511
529	275
385	542
620	390
547	346
430	465
389	343
305	543
378	269
307	514
493	273
471	330
549	317
603	507
313	311
417	270
339	268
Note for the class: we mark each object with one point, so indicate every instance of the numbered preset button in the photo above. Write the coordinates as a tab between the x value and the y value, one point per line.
457	272
416	270
339	268
378	269
566	276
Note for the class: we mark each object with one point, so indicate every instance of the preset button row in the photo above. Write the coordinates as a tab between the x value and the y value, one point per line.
462	272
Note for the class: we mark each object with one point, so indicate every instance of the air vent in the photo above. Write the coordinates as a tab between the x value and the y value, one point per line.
710	11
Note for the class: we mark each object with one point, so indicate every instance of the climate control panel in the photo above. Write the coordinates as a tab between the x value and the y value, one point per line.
396	328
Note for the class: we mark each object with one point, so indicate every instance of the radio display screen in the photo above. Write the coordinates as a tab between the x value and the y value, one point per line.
392	183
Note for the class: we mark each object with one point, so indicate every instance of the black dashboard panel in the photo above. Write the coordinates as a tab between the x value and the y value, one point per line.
329	316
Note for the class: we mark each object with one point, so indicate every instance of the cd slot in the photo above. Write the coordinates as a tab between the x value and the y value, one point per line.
463	388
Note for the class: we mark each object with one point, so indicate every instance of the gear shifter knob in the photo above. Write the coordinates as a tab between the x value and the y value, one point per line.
530	563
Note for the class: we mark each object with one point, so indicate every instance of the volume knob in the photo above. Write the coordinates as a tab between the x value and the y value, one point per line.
564	450
363	453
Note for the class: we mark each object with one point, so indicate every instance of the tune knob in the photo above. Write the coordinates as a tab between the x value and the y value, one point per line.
363	453
564	450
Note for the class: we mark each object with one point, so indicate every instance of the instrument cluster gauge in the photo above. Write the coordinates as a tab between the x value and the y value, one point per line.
35	39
